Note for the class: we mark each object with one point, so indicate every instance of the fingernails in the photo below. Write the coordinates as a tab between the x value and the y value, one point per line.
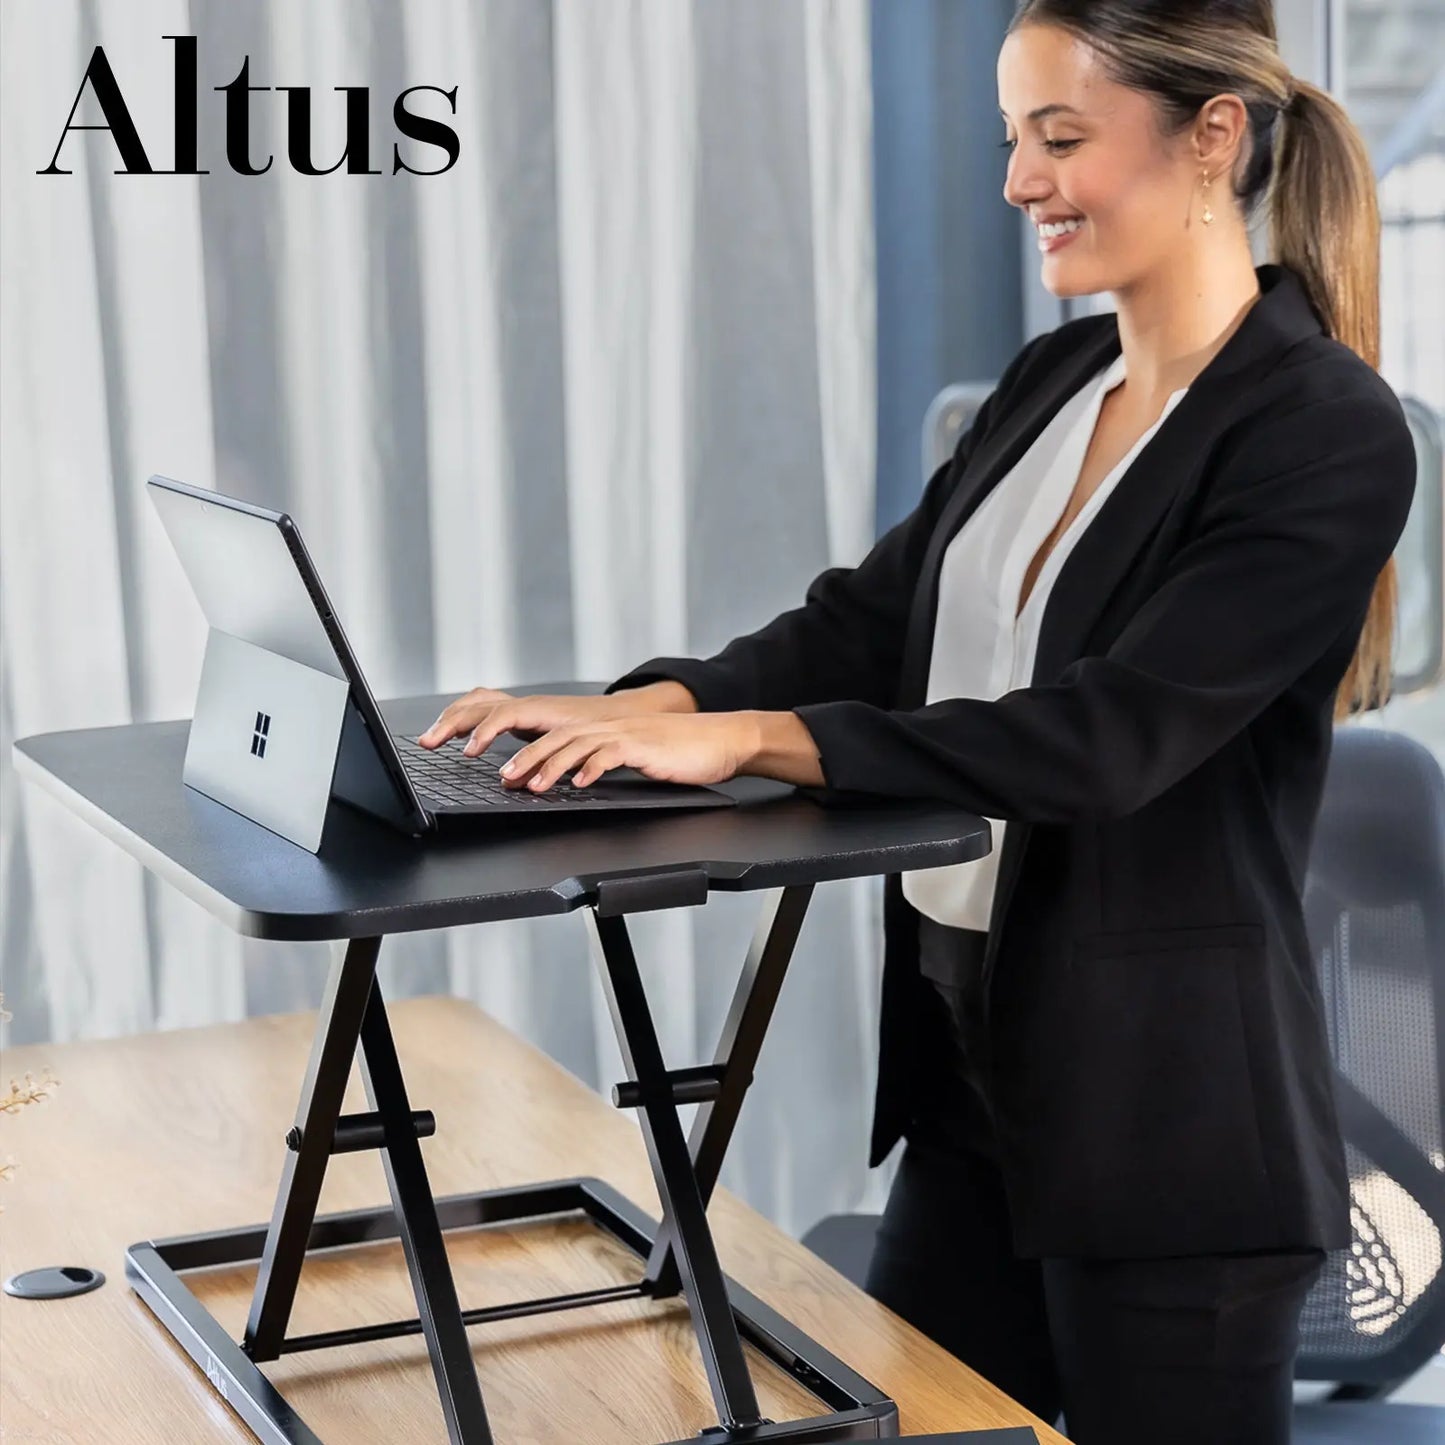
509	768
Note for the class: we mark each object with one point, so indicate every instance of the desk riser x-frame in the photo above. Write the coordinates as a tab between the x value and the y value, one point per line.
679	1254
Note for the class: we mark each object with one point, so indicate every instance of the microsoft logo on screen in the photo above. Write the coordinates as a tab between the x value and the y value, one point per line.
258	739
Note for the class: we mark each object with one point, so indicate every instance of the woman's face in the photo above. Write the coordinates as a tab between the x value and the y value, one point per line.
1101	159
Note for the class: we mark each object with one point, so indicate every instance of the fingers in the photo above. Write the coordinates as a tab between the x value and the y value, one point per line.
449	725
539	765
521	717
528	717
560	742
463	715
603	760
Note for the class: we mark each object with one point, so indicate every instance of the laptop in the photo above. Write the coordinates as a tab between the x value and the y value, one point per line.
281	683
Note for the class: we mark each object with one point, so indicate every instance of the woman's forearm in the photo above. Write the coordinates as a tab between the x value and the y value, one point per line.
780	746
772	744
666	696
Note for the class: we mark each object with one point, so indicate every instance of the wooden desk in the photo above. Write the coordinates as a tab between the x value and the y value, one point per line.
370	880
175	1132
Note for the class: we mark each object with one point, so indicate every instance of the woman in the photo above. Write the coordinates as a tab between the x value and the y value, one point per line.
1103	1040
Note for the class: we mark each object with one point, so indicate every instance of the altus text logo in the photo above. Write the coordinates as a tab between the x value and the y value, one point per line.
100	81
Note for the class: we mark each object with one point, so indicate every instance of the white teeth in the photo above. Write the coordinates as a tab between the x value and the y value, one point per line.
1061	228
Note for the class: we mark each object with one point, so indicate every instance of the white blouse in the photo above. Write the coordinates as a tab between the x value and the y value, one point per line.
979	649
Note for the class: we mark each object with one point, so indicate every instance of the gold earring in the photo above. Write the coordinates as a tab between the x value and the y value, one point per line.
1208	214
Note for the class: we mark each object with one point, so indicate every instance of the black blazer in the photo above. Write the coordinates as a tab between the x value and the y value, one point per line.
1160	1072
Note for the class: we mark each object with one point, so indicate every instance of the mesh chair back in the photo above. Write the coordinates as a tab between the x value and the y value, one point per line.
1375	913
949	415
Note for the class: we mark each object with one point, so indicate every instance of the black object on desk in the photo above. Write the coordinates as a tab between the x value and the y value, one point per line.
370	881
1010	1435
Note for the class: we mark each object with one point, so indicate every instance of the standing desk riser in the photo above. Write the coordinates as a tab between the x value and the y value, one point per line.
370	880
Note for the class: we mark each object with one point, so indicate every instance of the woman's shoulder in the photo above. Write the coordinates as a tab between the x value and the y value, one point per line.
1320	407
1314	370
1321	371
1265	404
1322	411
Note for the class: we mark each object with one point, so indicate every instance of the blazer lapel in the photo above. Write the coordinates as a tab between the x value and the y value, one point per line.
1155	481
998	453
1130	515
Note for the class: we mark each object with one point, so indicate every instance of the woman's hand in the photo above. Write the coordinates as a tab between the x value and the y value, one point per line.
655	729
486	712
669	748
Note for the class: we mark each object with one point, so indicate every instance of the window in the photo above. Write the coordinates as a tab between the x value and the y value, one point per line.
1386	64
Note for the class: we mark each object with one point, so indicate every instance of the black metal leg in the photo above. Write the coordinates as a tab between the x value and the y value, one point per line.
338	1027
744	1030
684	1215
724	1314
421	1234
352	1010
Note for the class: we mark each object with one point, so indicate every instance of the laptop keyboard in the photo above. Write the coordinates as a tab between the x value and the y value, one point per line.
444	774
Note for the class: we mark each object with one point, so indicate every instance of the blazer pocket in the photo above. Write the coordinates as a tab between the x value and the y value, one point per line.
1162	1078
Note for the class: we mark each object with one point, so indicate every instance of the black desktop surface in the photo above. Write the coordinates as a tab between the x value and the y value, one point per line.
369	879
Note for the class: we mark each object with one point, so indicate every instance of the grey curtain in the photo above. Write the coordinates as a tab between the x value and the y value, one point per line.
605	389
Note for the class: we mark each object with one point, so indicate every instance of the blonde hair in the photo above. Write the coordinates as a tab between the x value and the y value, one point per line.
1305	158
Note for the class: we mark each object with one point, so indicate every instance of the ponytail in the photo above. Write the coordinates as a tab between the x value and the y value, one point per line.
1324	224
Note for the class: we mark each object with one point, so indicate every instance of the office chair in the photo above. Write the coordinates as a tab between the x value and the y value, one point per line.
1375	913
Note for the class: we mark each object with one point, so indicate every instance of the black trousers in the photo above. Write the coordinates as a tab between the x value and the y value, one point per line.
1193	1350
